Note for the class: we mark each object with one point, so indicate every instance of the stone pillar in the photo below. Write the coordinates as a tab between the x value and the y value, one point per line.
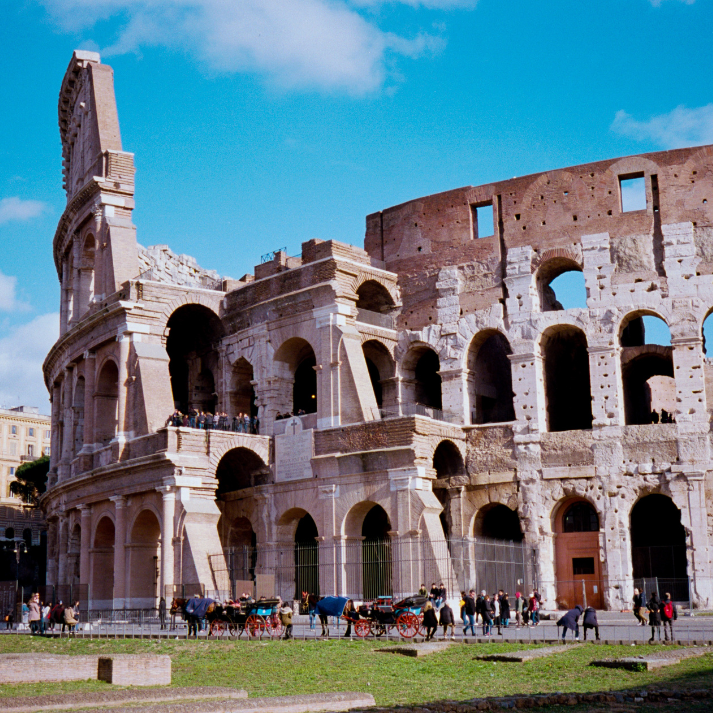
56	443
67	436
90	364
167	523
454	393
124	345
62	550
690	378
529	392
86	511
119	550
52	550
606	385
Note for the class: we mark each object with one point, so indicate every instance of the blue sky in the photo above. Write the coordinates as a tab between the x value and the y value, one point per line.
260	124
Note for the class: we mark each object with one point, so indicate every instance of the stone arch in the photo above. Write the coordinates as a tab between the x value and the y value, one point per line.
295	361
101	583
421	380
565	363
212	303
497	521
362	278
260	446
630	330
490	391
550	265
240	468
87	273
382	371
448	460
287	523
144	559
193	333
577	551
106	402
374	296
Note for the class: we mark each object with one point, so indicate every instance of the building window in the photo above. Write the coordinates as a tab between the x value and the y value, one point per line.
583	565
12	471
30	450
13	430
32	432
48	435
47	450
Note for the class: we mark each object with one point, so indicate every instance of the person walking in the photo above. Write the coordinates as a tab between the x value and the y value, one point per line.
654	607
286	619
590	622
669	614
162	612
351	615
504	609
487	615
430	622
638	601
34	616
462	607
447	620
479	603
518	609
495	612
534	609
571	621
469	609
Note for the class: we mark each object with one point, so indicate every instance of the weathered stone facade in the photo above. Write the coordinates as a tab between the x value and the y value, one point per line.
438	375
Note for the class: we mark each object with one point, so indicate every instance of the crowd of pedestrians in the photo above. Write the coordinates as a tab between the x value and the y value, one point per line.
497	610
219	421
40	617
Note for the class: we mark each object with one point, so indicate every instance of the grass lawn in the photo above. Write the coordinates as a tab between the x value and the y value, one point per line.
280	668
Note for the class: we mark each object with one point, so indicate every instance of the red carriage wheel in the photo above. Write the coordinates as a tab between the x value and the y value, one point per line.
407	625
232	629
255	625
274	625
362	627
216	628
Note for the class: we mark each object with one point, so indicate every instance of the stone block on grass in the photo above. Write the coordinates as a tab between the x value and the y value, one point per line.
135	670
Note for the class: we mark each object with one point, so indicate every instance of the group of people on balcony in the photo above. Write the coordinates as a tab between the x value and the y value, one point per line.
218	421
664	417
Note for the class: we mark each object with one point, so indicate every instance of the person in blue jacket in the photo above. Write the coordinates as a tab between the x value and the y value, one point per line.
571	621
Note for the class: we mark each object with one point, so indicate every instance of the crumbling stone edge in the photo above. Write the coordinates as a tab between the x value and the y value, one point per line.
552	699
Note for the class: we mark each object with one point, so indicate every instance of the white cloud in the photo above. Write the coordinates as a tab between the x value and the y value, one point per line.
658	3
17	209
22	353
323	44
8	298
680	127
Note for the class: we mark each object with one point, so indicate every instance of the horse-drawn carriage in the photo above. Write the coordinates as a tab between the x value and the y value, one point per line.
381	615
256	617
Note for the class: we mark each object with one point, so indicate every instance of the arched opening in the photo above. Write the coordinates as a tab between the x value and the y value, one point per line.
498	522
567	385
240	468
86	274
707	334
242	390
381	372
194	332
490	379
74	548
78	415
240	550
372	296
444	515
447	460
647	370
144	557
658	547
9	533
102	565
306	557
376	554
421	380
295	364
577	560
106	402
560	285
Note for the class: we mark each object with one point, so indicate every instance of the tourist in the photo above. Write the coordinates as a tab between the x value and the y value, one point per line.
46	609
479	604
34	616
571	621
654	607
430	622
534	609
441	596
246	423
590	622
200	420
422	591
669	614
69	619
25	615
462	607
504	609
447	620
487	615
351	615
469	607
433	595
495	612
286	619
518	609
638	606
162	612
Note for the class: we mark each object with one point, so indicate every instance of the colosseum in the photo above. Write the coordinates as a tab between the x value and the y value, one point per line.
422	409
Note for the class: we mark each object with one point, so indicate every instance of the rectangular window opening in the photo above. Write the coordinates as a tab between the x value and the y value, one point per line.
483	220
583	565
633	192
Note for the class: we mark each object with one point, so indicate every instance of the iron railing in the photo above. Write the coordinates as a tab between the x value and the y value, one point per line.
377	319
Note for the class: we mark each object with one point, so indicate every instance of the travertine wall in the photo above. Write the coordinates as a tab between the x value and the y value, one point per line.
125	482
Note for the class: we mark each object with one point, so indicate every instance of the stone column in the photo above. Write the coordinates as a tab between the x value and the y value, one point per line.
62	552
52	550
529	392
690	378
167	559
119	550
124	345
56	443
606	385
67	414
454	393
90	364
86	511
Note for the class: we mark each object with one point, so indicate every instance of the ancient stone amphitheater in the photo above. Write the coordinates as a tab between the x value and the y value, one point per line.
455	423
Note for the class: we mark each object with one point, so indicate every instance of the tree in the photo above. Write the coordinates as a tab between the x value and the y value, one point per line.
31	480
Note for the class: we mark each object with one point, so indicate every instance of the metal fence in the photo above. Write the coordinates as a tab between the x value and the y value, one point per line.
366	569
